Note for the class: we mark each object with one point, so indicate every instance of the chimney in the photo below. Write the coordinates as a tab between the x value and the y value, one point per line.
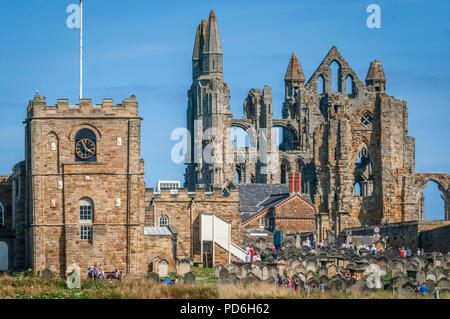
295	183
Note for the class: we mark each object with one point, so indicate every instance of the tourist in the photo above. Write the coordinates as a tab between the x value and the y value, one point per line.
354	275
177	281
408	253
263	256
403	253
436	291
101	274
308	242
306	289
423	289
248	257
91	273
322	287
95	272
116	274
296	284
417	289
374	250
279	280
274	254
422	252
418	251
348	275
167	281
247	249
313	244
252	252
288	282
254	257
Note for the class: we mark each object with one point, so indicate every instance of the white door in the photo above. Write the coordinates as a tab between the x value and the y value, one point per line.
3	256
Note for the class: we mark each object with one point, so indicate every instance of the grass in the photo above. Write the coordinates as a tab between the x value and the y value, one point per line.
28	287
388	277
202	272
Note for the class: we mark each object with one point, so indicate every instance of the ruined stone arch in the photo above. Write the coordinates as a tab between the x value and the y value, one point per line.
414	188
290	137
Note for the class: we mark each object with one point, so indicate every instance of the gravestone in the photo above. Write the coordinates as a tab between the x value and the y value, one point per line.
184	266
310	275
420	276
232	279
189	278
223	273
47	274
250	279
163	268
153	277
217	269
431	276
444	283
331	270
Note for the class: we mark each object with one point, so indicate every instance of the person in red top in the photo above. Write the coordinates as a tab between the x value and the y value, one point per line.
252	252
403	254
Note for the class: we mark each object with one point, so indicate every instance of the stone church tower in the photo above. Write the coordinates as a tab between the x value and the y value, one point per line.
85	187
208	113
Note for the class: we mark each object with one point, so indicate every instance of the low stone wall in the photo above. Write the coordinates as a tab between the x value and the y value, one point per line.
437	239
429	235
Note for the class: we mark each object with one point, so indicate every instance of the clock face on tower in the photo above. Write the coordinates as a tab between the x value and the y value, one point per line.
85	149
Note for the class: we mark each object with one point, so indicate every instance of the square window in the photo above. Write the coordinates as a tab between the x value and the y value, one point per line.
85	213
86	233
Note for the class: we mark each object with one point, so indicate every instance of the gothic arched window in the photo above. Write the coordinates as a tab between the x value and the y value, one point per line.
364	173
163	221
85	146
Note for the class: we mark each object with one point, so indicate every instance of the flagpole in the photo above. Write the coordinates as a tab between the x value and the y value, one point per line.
81	49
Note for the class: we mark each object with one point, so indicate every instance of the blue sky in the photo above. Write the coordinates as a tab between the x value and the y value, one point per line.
144	48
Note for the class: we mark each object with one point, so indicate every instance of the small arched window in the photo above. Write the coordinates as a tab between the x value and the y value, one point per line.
163	221
335	68
2	215
86	210
320	84
349	85
85	146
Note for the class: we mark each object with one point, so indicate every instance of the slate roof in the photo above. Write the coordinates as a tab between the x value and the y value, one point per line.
255	198
251	195
157	231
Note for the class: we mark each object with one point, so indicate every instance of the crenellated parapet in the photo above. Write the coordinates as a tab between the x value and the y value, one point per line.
200	194
38	108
